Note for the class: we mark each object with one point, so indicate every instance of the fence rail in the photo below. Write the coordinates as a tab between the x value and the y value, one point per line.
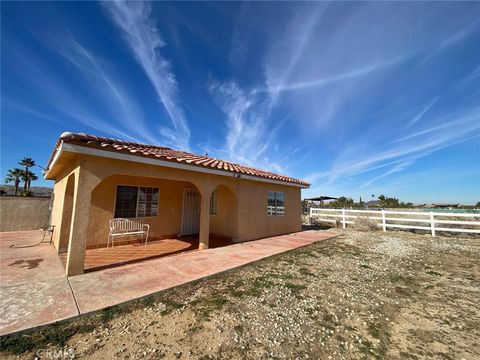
383	218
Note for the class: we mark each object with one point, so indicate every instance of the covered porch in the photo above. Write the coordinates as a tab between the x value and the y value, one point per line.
182	213
104	258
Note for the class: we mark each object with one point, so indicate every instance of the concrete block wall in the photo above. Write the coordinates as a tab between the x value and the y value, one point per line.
24	213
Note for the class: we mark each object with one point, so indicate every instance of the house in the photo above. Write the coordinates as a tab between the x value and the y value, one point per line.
441	206
175	192
373	204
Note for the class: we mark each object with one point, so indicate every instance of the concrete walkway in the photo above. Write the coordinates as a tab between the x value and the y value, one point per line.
33	287
35	291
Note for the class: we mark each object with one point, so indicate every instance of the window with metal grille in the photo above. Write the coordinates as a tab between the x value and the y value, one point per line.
213	203
276	203
136	201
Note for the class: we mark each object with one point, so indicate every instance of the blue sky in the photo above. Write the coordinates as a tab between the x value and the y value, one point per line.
357	98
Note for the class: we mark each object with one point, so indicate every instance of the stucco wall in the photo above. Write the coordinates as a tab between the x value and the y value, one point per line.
24	213
253	221
242	204
226	220
166	223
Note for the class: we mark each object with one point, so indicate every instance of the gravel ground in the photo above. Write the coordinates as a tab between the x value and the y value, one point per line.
360	295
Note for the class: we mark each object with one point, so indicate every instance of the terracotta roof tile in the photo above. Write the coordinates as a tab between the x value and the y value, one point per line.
167	154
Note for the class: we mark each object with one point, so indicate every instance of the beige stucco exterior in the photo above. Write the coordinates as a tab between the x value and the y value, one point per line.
84	202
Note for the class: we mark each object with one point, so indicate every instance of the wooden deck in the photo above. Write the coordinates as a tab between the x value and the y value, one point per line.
102	258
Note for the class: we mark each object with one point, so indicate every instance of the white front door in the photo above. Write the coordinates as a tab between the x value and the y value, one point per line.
191	211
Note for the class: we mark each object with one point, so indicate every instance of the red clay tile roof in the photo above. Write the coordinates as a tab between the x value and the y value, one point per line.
166	154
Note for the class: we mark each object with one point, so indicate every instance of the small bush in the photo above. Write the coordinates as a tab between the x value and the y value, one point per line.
365	224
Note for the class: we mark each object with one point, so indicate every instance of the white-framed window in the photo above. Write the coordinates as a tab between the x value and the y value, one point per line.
136	201
276	203
213	203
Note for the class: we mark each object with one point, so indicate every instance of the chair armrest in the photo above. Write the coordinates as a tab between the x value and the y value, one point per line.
146	226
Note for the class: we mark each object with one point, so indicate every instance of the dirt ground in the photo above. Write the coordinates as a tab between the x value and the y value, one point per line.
360	295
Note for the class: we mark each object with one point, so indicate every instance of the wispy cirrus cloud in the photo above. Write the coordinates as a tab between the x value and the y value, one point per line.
248	134
348	75
353	160
402	165
249	128
471	79
419	116
239	40
295	41
453	39
145	41
285	71
335	84
63	97
113	95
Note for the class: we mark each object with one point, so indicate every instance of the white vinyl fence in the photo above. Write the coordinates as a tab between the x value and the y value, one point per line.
430	221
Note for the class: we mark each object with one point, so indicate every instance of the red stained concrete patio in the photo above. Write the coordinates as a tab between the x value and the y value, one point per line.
103	258
35	291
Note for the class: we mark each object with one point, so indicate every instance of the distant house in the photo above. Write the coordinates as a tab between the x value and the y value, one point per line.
373	204
175	192
442	206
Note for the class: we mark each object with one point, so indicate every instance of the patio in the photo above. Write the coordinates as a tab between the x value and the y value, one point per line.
35	291
103	257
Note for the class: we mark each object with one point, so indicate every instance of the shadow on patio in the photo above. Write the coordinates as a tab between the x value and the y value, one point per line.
102	258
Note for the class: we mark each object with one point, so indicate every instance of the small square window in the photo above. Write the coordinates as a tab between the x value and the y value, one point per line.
275	203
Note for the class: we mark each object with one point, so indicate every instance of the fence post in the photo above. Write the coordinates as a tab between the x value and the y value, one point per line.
343	216
384	221
310	217
432	223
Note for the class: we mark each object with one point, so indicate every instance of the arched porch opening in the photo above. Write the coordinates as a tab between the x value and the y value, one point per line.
159	202
171	208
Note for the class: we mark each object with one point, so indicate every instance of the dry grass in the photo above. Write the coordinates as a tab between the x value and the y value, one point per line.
365	224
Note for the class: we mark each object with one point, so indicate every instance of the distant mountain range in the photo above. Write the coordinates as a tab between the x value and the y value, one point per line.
36	190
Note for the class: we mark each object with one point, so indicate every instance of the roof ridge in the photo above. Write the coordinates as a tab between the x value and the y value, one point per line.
74	136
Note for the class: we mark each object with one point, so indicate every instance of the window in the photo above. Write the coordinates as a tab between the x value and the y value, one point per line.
147	201
213	203
276	203
134	201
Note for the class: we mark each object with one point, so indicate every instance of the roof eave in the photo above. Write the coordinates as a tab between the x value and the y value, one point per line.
75	148
53	160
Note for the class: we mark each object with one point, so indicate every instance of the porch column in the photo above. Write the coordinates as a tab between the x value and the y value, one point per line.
204	219
84	184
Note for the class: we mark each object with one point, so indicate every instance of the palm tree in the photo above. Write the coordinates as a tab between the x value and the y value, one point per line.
14	175
27	162
27	177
